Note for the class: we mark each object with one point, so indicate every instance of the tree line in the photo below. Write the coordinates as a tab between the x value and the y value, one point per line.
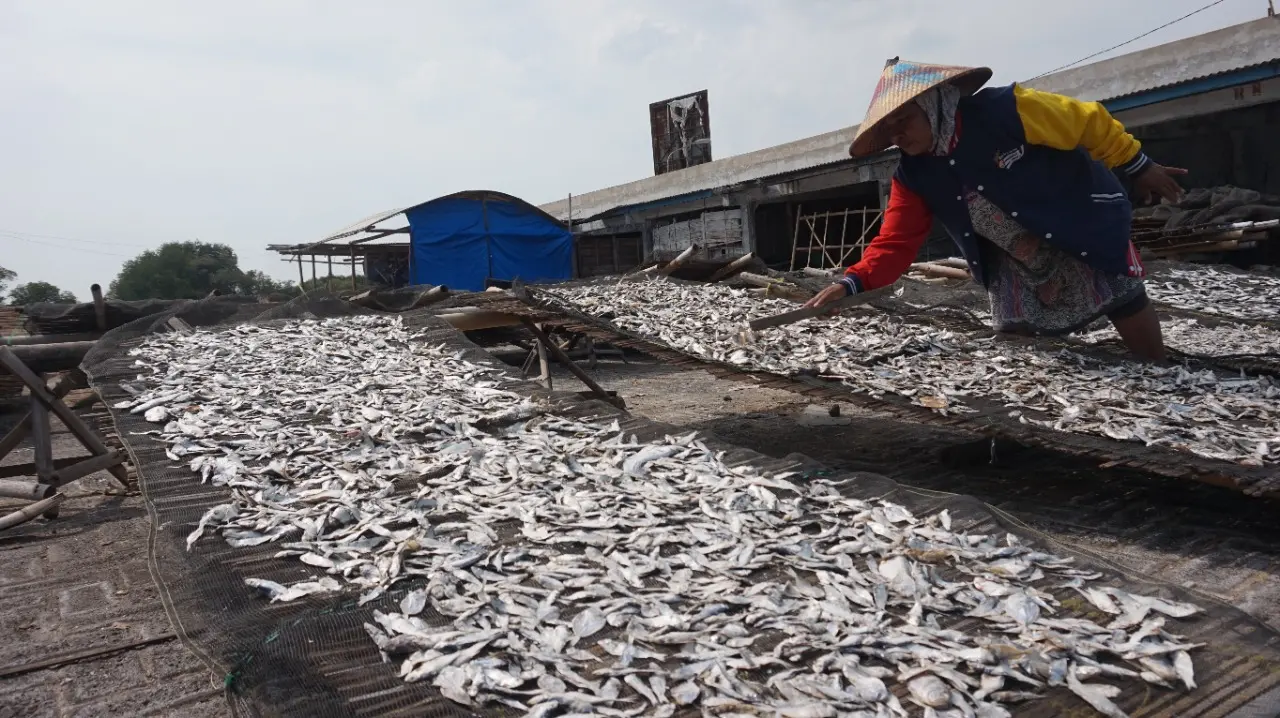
176	270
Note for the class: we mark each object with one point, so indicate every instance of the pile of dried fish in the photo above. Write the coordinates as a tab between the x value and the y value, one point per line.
1232	418
1193	337
580	571
1213	291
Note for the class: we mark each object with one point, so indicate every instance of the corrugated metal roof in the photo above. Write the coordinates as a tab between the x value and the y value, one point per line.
1230	49
803	154
358	227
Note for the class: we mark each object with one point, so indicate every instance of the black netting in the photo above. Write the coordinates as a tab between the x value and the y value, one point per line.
47	318
312	657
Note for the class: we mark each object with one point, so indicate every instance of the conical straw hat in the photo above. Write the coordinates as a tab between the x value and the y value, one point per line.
900	83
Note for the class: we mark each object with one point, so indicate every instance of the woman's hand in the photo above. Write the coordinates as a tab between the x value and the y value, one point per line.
1158	180
827	296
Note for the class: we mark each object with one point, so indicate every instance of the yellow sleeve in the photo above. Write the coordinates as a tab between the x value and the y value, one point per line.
1066	123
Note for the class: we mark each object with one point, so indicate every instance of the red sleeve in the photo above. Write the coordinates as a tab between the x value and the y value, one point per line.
906	224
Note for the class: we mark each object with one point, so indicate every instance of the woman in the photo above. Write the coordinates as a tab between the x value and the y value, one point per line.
1022	182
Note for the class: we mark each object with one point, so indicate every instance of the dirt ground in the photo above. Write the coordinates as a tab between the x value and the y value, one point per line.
75	588
76	592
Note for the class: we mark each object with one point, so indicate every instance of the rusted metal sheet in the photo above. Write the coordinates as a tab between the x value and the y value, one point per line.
681	132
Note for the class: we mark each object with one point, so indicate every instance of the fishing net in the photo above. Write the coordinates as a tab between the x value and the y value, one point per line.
47	318
313	658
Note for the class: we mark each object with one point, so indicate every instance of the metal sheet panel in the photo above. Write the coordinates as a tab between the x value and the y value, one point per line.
1227	50
680	129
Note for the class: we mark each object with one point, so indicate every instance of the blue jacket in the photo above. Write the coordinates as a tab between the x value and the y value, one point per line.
1043	159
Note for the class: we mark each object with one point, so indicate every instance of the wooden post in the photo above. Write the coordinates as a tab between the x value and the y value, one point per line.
99	307
315	283
41	441
328	281
795	239
301	280
352	247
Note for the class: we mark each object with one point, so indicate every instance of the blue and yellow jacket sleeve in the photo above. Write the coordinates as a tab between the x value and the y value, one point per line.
1065	123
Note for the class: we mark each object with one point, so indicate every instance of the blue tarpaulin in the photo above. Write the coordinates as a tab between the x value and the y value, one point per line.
465	239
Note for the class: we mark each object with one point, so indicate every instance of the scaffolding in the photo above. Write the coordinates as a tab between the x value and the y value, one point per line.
819	243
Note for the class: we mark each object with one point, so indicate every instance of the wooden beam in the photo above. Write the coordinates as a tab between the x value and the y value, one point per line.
61	387
73	423
558	353
88	466
8	471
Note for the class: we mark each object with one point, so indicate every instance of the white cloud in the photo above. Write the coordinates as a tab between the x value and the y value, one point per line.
137	122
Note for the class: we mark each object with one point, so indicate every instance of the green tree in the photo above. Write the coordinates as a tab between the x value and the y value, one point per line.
6	276
340	284
37	292
179	270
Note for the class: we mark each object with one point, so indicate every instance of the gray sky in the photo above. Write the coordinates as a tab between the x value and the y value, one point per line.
130	123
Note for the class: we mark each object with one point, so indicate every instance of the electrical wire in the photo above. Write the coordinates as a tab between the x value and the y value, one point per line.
17	235
1126	42
62	246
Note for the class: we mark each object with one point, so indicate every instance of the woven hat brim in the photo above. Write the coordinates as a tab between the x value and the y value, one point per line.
871	138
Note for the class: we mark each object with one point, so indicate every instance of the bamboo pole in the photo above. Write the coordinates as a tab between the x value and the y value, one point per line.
30	511
775	287
937	270
957	262
31	491
732	268
34	339
819	273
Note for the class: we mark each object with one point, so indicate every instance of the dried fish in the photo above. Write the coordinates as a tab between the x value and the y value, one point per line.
1216	415
633	583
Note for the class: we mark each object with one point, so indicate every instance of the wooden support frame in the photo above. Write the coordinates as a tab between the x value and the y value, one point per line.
545	343
832	254
49	474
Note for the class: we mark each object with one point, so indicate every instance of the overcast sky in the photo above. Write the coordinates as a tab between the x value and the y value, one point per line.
130	123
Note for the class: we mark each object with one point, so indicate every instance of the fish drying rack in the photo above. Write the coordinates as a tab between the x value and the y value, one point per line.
313	658
991	419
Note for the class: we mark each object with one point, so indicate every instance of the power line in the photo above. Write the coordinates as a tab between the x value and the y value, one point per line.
63	246
19	235
1126	42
